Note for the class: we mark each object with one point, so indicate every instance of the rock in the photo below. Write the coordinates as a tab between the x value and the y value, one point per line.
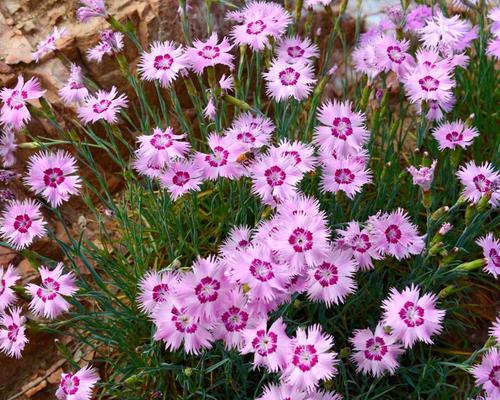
54	378
42	385
14	48
12	6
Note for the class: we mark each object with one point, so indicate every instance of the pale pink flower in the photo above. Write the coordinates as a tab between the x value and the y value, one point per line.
238	239
393	55
275	177
395	235
300	204
223	160
92	8
285	80
48	44
104	105
342	129
375	352
53	176
359	242
147	167
21	222
8	278
162	146
491	252
451	135
417	17
385	26
181	177
177	326
322	395
77	386
412	317
249	134
283	392
226	82
478	181
74	91
155	288
8	147
163	62
310	359
445	228
493	48
333	280
495	330
423	176
12	332
487	374
293	49
344	175
210	112
14	111
111	43
300	153
48	298
209	53
365	60
260	122
271	346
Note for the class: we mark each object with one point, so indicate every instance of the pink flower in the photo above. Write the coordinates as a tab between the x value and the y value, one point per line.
479	181
14	111
445	228
53	176
21	222
412	317
237	240
283	392
293	49
181	177
77	386
210	112
423	176
393	55
155	288
491	252
310	359
258	22
202	290
251	135
223	160
255	268
47	299
395	235
365	60
8	278
300	153
344	175
104	105
147	167
209	53
417	17
12	335
74	91
359	243
176	326
93	8
48	44
8	147
300	204
332	280
451	135
226	83
302	240
260	122
322	395
495	330
342	130
289	80
111	43
487	374
275	177
162	63
375	353
493	48
162	146
271	347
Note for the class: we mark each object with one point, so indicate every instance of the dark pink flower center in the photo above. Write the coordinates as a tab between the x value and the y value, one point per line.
70	384
261	270
13	331
243	244
53	177
412	315
246	137
494	376
305	357
295	51
22	223
289	77
163	62
361	243
375	349
218	158
207	290
429	84
181	178
235	319
393	234
395	54
275	176
75	85
301	240
256	27
182	321
101	106
17	99
482	183
344	176
209	52
326	274
454	136
494	256
161	141
341	128
265	343
49	290
160	293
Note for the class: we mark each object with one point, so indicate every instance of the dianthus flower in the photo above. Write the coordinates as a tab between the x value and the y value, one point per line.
495	330
480	180
92	8
238	239
249	134
491	252
209	53
155	288
111	43
77	386
393	55
423	176
301	154
260	122
48	44
74	91
417	17
286	80
181	177
293	49
104	105
12	332
344	175
8	278
487	373
451	135
8	147
282	392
